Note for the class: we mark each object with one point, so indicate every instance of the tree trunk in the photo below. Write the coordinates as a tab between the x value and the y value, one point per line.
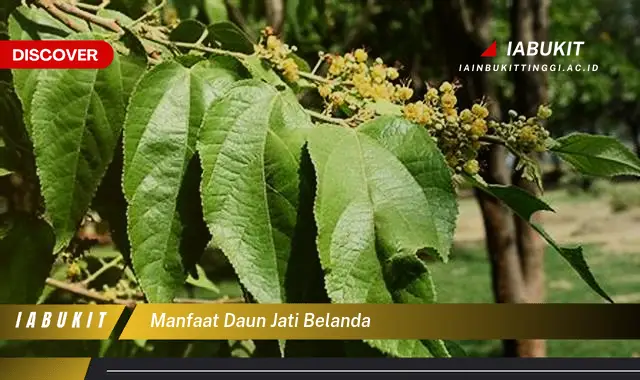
469	23
529	22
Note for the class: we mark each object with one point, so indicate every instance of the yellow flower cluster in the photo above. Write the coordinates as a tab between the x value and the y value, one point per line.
457	134
278	53
525	135
353	81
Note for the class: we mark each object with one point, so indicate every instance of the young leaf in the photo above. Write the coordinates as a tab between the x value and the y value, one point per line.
375	212
525	205
74	130
27	256
250	145
163	120
594	155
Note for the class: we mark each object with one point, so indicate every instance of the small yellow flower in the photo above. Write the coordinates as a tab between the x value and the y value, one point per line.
527	135
290	70
544	112
74	270
448	100
446	87
349	57
478	127
432	94
360	55
466	116
392	73
324	90
337	98
380	91
404	93
480	111
337	66
273	43
451	112
378	73
472	167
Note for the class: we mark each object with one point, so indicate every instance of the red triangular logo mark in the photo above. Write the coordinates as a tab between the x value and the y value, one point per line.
491	51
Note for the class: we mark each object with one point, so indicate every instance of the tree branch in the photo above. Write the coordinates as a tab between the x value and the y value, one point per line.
80	290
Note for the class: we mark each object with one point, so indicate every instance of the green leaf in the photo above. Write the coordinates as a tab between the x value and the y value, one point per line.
31	23
250	146
187	31
525	205
216	10
384	195
595	155
125	20
230	37
162	125
75	128
261	70
25	260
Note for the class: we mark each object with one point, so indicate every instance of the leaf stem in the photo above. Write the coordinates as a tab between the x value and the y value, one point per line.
328	119
203	301
314	77
92	7
492	140
199	47
148	14
111	264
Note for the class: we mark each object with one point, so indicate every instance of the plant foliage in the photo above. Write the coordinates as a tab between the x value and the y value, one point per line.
211	142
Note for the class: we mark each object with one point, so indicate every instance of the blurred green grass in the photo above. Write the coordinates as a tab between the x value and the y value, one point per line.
466	279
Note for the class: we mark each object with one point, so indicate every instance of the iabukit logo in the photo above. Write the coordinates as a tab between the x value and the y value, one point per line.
533	49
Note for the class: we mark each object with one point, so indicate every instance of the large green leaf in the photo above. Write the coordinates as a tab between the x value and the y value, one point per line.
525	205
162	125
250	146
31	23
376	209
75	128
26	256
595	155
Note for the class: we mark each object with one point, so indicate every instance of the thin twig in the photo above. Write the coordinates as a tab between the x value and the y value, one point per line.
203	301
55	12
318	64
107	23
193	46
79	289
328	119
148	14
313	77
113	263
492	140
202	37
92	7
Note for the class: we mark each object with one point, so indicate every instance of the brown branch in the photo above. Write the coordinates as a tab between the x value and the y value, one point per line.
51	7
80	290
106	23
203	301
